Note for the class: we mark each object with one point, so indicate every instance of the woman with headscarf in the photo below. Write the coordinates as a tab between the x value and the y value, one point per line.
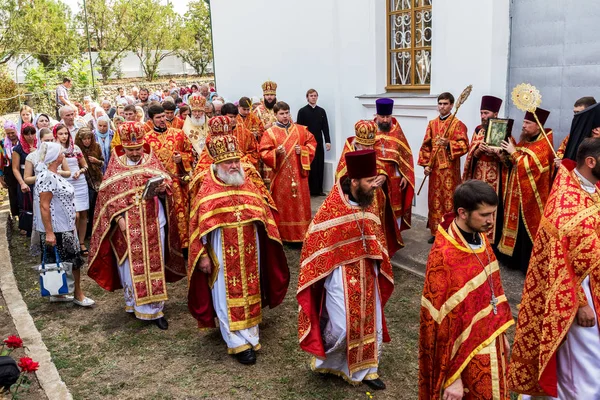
86	140
56	197
27	144
78	167
117	122
10	141
41	121
104	136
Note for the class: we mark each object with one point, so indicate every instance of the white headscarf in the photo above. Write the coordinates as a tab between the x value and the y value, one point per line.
49	152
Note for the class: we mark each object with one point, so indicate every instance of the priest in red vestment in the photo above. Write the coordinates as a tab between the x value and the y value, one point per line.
445	142
395	154
130	244
246	140
489	164
556	350
174	151
250	120
288	149
237	265
172	120
463	349
365	139
527	190
266	114
346	279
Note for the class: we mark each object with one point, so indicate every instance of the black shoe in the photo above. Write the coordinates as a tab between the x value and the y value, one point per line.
375	384
246	357
162	323
431	240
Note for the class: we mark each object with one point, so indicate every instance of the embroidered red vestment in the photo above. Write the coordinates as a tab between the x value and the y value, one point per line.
527	190
121	194
289	182
460	335
242	213
334	239
565	252
383	204
165	145
253	123
445	169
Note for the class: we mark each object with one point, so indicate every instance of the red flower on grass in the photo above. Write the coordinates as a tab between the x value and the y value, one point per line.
13	342
28	365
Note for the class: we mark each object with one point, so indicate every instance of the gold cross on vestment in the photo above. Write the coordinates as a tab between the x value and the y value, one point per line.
234	281
238	215
252	278
231	251
249	248
353	280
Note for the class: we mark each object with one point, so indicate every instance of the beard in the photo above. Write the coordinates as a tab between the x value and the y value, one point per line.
384	126
365	198
527	136
236	178
197	121
270	104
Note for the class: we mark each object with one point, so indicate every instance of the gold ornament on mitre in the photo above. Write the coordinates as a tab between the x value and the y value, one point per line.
197	102
527	97
269	87
365	132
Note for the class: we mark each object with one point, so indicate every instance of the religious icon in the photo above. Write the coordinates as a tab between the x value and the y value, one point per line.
497	132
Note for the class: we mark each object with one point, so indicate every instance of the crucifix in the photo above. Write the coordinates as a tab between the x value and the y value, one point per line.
494	303
238	215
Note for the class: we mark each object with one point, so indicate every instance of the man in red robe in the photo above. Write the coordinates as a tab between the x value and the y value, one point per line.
395	154
246	140
463	349
489	164
171	119
174	151
346	279
365	139
527	190
288	149
556	350
128	248
250	120
237	264
445	142
266	114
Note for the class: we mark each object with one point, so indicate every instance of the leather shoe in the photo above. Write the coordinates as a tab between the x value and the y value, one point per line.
375	384
162	323
246	357
431	240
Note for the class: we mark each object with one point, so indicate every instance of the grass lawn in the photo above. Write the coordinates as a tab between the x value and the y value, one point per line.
104	353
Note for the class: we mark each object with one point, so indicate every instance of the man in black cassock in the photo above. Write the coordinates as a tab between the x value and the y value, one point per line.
315	119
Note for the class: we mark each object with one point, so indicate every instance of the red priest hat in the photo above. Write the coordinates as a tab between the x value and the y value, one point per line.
361	164
490	103
541	114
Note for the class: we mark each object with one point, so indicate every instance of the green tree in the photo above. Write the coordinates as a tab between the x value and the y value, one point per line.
113	29
51	35
11	30
195	45
160	37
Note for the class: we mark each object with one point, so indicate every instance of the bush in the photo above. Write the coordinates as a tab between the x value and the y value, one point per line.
8	92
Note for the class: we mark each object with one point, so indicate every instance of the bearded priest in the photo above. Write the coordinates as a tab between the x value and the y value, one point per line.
237	265
129	247
346	279
195	125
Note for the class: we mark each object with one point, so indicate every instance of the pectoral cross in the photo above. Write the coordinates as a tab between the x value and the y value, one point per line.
238	215
494	303
364	240
382	149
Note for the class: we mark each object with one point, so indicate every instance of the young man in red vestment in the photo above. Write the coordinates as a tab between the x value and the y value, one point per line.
174	151
395	154
250	119
288	149
556	350
171	119
346	279
129	248
445	142
246	140
463	349
527	190
365	139
489	164
237	264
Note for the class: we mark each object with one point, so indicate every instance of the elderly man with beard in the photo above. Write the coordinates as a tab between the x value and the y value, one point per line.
195	125
130	247
527	190
237	265
265	110
489	164
463	349
346	278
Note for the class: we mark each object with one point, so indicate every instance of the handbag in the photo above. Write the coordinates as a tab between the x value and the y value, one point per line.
26	214
56	279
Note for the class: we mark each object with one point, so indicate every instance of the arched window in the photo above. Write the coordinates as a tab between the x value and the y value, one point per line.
409	44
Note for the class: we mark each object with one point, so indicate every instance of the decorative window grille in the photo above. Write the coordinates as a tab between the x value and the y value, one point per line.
409	44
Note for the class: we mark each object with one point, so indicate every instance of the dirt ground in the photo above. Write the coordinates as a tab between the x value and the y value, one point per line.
104	353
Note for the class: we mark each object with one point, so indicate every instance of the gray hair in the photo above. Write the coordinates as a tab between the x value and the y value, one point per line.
65	109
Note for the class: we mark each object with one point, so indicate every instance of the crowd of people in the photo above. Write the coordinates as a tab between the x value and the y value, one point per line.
183	184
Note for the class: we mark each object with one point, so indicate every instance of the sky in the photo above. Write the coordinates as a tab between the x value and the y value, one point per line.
179	5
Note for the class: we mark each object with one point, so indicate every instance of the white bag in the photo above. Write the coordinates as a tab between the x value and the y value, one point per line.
56	279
